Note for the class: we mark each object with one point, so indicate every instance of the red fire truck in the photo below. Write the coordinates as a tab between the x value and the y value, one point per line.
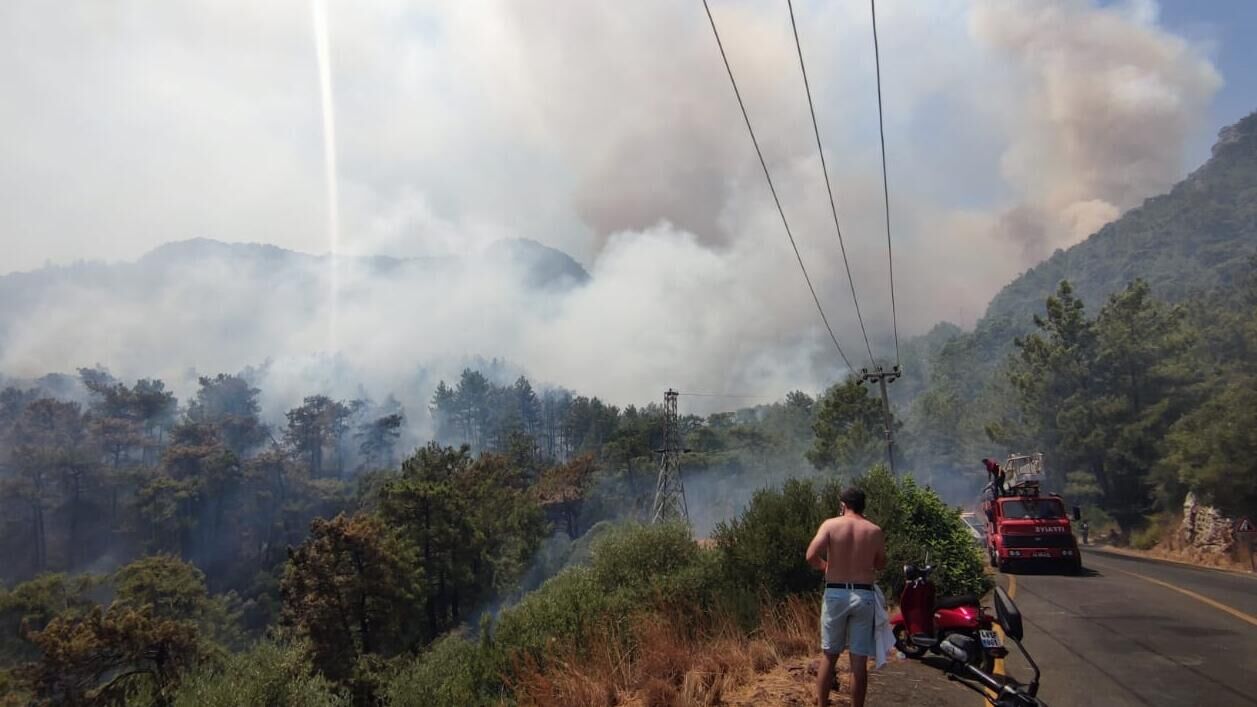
1026	527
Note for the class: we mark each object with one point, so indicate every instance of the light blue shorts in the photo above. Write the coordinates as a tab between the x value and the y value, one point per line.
847	618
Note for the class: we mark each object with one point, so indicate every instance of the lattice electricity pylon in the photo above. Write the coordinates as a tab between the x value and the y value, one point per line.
669	491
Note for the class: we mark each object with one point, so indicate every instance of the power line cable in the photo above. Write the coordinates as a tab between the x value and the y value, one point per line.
768	177
829	190
881	131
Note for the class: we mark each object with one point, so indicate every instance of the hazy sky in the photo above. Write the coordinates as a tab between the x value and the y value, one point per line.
1013	127
1224	29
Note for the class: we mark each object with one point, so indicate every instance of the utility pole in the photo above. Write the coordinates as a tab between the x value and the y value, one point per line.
882	376
669	491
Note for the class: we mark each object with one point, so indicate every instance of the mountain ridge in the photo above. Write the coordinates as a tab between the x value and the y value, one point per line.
237	294
1198	235
547	265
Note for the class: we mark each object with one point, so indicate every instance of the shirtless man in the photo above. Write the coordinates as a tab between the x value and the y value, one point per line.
850	550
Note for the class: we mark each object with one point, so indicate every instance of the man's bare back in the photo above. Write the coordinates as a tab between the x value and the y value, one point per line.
852	547
850	550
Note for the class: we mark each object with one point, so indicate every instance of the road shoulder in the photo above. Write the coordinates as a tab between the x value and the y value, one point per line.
1136	555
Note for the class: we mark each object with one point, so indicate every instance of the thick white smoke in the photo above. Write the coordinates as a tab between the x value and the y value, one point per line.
1106	101
627	334
608	130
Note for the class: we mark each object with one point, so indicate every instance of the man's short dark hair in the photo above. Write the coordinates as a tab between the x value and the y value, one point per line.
853	498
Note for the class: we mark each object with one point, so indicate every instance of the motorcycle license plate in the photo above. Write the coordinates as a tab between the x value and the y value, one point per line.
1042	554
989	639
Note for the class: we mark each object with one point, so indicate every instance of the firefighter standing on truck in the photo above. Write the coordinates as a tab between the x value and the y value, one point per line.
997	476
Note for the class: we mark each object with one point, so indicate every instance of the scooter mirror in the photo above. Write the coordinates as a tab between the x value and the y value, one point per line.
1008	614
959	647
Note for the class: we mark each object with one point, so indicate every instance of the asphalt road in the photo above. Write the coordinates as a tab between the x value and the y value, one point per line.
1130	632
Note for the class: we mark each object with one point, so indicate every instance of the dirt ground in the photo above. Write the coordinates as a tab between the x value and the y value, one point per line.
899	682
776	666
792	684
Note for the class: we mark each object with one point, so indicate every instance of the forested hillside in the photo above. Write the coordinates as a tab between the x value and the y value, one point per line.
1127	359
1197	238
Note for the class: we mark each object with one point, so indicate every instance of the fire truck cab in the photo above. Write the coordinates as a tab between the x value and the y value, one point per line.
1025	526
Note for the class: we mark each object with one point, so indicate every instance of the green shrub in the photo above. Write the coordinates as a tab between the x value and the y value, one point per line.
637	569
35	602
272	674
1147	537
916	522
561	612
454	672
696	592
12	692
633	568
634	557
763	550
659	567
1100	524
630	568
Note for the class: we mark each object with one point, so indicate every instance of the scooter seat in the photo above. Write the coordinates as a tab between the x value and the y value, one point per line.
953	602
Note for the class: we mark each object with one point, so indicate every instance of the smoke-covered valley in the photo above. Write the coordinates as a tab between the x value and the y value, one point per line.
1013	129
202	307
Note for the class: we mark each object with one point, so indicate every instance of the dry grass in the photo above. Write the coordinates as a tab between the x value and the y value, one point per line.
658	693
572	679
763	657
662	653
790	627
659	663
677	670
719	667
564	687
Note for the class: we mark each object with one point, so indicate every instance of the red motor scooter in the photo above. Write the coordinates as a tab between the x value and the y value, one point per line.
922	617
